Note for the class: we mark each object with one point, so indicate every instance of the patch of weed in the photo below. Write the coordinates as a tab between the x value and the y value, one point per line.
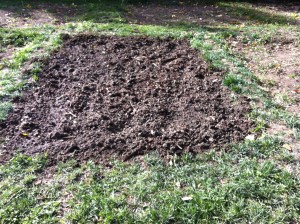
4	109
17	37
213	187
21	200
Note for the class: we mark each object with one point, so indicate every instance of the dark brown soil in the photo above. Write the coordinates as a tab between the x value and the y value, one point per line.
104	97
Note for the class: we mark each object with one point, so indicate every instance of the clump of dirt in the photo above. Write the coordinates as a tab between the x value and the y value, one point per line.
104	97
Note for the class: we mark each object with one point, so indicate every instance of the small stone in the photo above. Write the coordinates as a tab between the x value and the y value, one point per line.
250	137
166	145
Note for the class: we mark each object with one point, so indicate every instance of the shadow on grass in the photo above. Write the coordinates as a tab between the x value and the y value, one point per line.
103	11
209	12
257	15
106	11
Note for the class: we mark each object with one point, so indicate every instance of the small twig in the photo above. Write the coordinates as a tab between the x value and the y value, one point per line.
71	114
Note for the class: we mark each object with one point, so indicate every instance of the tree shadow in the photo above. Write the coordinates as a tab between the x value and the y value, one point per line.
201	15
258	15
158	12
33	12
205	2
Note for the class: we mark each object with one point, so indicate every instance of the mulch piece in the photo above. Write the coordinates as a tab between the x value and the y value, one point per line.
102	97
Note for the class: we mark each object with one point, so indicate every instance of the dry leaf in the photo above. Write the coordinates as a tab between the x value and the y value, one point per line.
25	134
187	198
287	147
250	137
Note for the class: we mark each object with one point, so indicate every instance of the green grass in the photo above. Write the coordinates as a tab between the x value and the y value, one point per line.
28	43
4	109
17	37
249	182
23	200
242	184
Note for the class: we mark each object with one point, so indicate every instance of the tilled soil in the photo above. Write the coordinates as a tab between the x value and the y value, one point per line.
104	97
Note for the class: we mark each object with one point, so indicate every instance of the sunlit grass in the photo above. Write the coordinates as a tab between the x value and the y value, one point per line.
211	187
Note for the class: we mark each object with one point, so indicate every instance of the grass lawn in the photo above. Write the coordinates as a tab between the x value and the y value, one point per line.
255	181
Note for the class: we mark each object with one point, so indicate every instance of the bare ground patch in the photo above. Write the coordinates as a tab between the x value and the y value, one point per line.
213	15
104	97
173	14
278	66
29	15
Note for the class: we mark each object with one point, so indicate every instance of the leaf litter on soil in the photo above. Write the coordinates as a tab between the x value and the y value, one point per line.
100	97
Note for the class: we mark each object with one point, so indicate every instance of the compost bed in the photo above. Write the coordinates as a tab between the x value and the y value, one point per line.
103	97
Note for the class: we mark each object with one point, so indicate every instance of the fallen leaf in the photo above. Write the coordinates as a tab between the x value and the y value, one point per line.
38	182
287	147
250	137
187	198
24	134
277	65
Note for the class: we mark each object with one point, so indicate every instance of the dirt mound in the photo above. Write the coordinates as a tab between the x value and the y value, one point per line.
100	97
